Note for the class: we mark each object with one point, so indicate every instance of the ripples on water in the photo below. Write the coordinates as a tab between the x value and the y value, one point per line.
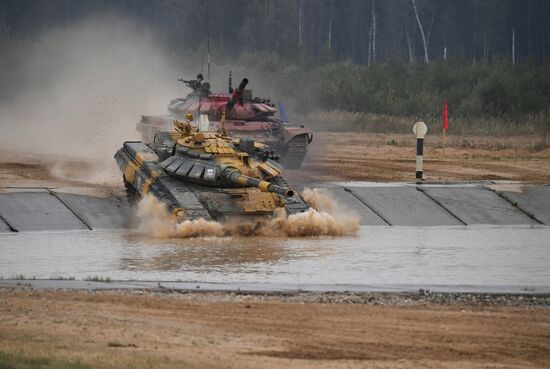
400	255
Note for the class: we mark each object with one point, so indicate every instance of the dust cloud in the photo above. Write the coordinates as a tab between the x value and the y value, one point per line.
157	221
78	90
81	89
318	199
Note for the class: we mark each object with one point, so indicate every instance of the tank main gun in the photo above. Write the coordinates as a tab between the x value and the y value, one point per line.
234	176
236	96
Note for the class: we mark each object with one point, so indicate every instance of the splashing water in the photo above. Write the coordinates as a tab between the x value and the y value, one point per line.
318	199
157	221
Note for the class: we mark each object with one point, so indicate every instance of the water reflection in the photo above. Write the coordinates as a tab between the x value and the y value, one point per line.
215	254
391	255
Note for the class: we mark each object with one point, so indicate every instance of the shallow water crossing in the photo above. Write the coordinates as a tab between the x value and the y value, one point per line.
478	255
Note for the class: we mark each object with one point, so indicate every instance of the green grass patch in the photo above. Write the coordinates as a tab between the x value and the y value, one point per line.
62	278
96	278
21	277
23	361
345	121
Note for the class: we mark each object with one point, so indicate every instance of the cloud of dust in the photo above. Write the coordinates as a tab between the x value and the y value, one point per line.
82	88
157	221
319	199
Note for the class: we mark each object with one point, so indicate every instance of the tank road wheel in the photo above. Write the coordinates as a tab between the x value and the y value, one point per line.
131	193
295	152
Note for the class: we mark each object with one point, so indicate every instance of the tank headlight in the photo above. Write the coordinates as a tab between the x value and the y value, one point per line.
210	174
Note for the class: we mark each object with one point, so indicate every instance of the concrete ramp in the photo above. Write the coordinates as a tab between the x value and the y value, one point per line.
403	206
37	211
377	204
352	205
477	205
532	199
4	227
98	212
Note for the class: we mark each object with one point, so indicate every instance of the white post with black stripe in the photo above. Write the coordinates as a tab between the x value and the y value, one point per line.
420	129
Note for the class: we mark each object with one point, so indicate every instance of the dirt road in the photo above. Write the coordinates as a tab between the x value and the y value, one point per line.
391	157
110	330
332	157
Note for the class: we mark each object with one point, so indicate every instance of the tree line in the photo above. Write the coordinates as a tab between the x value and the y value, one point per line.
361	31
394	57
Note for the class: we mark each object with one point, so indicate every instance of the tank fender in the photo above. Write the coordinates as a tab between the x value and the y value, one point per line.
290	133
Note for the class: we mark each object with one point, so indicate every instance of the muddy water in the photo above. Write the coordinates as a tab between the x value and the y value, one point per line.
393	255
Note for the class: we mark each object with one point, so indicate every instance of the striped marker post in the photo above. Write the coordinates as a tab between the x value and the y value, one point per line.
420	129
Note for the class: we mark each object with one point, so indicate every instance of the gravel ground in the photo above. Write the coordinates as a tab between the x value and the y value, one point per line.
422	297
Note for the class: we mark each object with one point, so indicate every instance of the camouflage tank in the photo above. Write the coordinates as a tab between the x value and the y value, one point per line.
207	174
248	117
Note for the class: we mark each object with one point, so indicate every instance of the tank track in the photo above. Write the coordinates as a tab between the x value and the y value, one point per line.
295	152
132	194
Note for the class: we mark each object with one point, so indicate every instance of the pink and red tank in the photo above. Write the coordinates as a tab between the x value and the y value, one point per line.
246	117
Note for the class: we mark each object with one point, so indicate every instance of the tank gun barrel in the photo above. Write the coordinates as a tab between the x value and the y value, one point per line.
236	95
240	179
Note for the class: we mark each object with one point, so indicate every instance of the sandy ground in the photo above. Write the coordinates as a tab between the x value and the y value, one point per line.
392	157
332	157
122	330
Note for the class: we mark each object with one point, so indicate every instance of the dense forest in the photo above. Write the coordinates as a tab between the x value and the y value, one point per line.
360	31
394	57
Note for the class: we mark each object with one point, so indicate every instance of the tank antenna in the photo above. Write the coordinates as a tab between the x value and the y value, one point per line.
230	84
224	131
208	38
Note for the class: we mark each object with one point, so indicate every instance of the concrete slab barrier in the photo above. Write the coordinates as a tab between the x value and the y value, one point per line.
404	206
532	199
98	212
379	204
37	211
478	205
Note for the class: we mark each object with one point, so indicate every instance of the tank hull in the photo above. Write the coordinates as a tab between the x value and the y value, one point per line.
144	175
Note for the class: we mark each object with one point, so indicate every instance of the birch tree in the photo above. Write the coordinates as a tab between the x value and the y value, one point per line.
513	46
424	42
300	23
373	33
4	23
330	26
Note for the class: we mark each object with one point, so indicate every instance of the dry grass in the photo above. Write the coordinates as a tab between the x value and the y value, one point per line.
337	156
342	121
